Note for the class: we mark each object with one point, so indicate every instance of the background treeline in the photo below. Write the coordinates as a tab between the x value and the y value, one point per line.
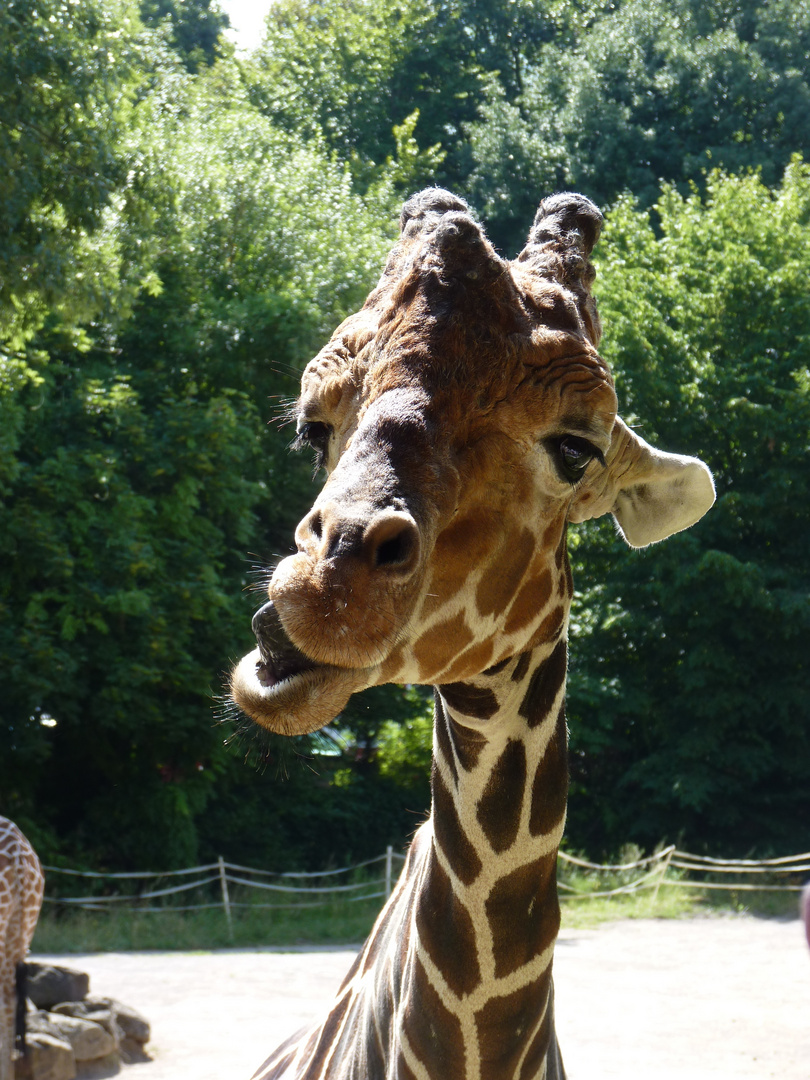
180	229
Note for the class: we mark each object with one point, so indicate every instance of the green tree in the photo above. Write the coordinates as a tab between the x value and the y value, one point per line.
69	87
195	27
138	471
647	91
325	69
689	693
350	71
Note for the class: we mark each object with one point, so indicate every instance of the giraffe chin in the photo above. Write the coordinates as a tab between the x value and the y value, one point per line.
294	703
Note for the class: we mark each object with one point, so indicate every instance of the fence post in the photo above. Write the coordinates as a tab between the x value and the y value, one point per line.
663	873
226	903
389	859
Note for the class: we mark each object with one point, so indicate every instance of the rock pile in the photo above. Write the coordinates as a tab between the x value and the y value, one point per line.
71	1034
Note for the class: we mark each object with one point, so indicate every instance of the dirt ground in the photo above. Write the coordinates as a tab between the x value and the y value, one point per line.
719	998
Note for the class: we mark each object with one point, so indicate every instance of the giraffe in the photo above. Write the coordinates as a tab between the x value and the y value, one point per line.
464	417
21	887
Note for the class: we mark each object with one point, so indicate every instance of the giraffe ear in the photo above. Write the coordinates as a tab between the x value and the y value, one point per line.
650	493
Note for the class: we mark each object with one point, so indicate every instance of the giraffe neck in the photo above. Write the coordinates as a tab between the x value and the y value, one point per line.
455	978
487	913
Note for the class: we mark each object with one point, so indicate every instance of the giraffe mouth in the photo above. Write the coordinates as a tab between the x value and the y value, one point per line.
279	660
281	688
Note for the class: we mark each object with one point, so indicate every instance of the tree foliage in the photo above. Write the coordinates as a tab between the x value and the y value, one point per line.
137	469
648	91
350	71
194	27
66	82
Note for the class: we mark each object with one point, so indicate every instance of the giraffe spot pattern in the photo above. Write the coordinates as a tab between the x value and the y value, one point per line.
505	572
506	1024
569	577
360	1036
452	839
21	887
524	914
471	661
554	535
531	600
479	702
464	543
432	1030
443	743
328	1034
392	664
404	1071
500	805
284	1063
376	946
521	667
544	686
446	930
442	644
497	668
541	1047
550	784
550	628
468	743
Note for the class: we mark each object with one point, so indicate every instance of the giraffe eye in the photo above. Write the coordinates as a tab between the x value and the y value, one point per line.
574	455
315	434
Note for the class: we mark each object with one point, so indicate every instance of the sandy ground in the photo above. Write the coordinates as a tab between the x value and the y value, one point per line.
720	998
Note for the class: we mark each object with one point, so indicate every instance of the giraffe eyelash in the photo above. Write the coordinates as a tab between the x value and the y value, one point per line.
315	435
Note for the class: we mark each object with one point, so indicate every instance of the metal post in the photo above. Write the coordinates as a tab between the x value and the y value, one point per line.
389	860
226	903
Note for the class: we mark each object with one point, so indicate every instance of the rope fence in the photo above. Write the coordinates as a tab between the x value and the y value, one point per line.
225	874
668	868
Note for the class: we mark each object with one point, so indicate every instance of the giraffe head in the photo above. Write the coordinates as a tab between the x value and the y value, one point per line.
464	417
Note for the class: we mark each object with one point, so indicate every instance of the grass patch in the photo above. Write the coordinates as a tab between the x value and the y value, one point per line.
669	904
762	904
336	923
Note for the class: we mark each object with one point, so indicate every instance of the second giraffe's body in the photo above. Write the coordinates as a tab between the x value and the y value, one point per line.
21	887
464	417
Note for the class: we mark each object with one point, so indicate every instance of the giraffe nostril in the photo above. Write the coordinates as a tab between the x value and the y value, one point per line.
393	552
316	524
392	543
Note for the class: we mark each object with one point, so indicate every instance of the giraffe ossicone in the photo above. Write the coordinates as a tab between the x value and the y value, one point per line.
464	417
21	888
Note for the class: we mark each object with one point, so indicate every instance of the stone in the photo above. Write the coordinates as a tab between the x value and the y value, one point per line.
47	985
40	1022
100	1069
130	1023
134	1026
88	1039
49	1058
97	1010
132	1052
